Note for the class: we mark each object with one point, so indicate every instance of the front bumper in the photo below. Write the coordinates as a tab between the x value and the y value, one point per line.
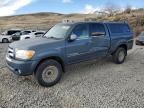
21	68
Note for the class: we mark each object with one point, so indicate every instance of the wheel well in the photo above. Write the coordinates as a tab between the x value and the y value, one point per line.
4	38
58	59
121	46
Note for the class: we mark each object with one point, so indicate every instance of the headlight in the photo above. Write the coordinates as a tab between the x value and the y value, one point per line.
24	54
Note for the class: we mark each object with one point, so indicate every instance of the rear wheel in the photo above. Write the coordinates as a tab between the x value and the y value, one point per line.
49	73
5	40
120	55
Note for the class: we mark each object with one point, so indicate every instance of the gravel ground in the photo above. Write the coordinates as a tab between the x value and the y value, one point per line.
90	85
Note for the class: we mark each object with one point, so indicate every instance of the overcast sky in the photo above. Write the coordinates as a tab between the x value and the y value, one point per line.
16	7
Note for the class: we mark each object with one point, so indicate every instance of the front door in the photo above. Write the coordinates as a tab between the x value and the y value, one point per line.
77	50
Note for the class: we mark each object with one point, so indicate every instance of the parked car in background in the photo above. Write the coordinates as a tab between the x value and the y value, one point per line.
13	35
17	35
66	44
5	38
11	32
32	35
140	40
29	31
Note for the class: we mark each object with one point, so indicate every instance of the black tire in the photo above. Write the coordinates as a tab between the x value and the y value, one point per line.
116	56
41	71
5	40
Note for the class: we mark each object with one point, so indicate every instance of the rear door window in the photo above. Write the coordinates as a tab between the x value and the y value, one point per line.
119	28
96	27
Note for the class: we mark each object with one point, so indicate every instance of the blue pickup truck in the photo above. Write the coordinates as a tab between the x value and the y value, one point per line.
68	43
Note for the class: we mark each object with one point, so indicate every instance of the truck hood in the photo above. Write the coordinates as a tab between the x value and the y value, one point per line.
35	43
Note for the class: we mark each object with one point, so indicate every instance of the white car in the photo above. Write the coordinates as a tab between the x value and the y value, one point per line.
11	32
32	35
17	35
5	38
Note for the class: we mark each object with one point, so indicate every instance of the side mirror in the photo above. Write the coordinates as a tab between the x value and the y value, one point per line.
73	37
98	34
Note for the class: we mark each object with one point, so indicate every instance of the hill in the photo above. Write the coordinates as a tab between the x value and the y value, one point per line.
38	20
46	20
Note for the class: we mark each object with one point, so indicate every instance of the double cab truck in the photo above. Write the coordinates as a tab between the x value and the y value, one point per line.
66	44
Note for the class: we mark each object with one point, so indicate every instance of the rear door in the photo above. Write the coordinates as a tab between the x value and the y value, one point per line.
100	44
78	50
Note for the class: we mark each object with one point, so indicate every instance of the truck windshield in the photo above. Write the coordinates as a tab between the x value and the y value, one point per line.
58	31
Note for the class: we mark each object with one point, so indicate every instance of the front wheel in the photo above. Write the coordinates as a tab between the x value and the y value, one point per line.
120	55
49	73
5	40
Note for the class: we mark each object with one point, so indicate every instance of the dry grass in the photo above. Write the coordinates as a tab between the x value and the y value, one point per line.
46	20
39	20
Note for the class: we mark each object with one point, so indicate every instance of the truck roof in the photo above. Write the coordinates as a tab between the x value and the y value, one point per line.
71	21
82	22
114	27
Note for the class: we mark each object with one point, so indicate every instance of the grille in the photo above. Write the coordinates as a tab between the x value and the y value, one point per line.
11	53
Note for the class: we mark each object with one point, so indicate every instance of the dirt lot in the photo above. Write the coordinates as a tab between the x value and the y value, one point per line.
92	84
